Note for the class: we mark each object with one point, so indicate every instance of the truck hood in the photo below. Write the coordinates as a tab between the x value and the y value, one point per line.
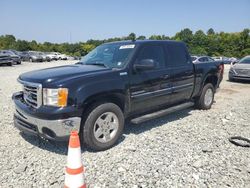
55	74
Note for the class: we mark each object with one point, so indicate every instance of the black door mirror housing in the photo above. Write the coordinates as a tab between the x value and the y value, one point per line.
145	64
234	62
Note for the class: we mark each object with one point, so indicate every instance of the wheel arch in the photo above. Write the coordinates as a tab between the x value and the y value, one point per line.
209	78
116	97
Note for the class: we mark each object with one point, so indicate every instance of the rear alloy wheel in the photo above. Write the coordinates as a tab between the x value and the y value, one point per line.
103	126
206	99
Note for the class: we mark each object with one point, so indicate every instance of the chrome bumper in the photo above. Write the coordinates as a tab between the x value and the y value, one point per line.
50	129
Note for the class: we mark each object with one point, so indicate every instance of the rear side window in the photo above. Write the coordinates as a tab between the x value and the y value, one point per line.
177	54
153	52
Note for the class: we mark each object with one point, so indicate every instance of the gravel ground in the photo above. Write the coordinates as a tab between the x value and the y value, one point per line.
189	148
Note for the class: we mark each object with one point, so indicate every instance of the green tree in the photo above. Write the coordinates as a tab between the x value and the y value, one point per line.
210	32
87	48
131	36
141	37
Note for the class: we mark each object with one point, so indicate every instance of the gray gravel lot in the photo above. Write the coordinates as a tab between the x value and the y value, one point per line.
189	148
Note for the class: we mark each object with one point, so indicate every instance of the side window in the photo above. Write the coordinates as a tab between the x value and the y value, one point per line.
202	59
177	55
153	52
206	59
210	59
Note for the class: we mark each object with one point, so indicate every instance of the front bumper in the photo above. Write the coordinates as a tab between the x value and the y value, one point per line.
52	129
238	77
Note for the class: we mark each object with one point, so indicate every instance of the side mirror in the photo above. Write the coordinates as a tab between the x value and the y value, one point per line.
145	64
234	62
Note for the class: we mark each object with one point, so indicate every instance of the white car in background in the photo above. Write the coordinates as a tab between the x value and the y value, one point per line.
225	60
52	56
201	59
60	56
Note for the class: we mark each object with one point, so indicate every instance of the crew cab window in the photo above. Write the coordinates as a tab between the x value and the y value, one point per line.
153	52
177	55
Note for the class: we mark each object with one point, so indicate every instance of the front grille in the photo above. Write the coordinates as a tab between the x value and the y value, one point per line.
243	72
32	94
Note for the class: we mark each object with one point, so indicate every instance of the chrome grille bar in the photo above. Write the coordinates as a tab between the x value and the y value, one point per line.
32	93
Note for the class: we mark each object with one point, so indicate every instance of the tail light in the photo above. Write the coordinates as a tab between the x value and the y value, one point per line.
221	69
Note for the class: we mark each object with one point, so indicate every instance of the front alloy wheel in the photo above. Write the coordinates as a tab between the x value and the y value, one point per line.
106	127
103	126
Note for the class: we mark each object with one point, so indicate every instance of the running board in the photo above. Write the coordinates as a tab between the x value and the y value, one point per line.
160	113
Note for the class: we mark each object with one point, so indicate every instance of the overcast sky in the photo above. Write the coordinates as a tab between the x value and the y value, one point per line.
80	20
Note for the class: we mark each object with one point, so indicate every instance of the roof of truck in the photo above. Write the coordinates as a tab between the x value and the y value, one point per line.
144	41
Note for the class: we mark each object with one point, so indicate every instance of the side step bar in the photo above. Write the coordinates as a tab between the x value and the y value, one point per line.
160	113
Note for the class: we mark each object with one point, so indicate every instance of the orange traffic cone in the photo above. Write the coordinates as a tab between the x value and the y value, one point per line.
74	175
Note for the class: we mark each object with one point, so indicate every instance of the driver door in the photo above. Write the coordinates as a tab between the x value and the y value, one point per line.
150	88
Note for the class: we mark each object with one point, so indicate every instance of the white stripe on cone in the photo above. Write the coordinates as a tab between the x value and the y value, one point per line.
74	181
74	158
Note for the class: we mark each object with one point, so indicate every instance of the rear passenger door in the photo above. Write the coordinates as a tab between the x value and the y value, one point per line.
183	71
150	88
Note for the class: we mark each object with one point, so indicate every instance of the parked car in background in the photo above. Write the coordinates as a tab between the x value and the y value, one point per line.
240	70
225	60
32	56
61	56
44	56
70	58
201	59
52	55
233	59
15	58
5	59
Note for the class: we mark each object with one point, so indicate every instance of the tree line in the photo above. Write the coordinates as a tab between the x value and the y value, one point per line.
199	43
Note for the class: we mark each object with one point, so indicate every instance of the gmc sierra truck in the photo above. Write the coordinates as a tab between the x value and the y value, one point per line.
118	81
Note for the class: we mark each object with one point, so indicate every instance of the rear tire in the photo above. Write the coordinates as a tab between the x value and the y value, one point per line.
10	64
205	100
103	126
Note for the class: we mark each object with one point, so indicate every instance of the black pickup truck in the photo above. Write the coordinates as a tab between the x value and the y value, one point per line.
118	81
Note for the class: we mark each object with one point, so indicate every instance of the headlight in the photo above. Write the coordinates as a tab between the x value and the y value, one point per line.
232	70
55	97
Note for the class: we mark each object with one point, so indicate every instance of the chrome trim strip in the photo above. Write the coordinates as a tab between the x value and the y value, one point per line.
150	92
140	94
181	86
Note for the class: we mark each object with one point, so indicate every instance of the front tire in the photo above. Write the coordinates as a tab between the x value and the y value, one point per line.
205	100
103	126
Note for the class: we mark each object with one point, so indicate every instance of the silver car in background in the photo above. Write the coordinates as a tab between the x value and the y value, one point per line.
240	70
201	59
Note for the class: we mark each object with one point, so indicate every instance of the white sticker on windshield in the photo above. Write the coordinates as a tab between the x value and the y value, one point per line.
127	46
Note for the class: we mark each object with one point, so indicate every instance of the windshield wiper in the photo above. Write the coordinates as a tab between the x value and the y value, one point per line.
93	63
98	64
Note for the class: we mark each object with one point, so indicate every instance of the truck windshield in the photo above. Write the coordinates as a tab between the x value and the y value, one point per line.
109	55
